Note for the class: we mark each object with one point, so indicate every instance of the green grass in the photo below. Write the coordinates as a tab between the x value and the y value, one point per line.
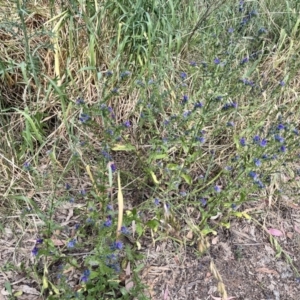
161	93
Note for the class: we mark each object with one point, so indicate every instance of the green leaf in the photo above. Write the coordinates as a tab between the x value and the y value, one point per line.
153	224
187	178
8	287
127	147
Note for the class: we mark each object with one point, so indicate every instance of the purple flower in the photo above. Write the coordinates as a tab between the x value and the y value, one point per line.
260	184
185	99
26	166
263	143
125	230
85	276
117	245
35	251
230	30
257	162
108	73
200	139
253	174
183	75
68	186
198	105
217	189
296	131
83	118
282	83
280	127
233	206
193	64
77	226
82	192
156	201
203	201
71	243
127	124
186	113
279	138
243	141
109	207
256	139
108	221
39	241
282	148
113	167
217	61
230	124
244	60
79	101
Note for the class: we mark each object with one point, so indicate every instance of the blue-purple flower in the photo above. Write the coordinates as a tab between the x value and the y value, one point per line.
217	189
257	162
217	61
71	243
79	101
26	166
35	251
243	142
125	230
85	276
108	221
127	124
185	99
117	245
83	118
183	75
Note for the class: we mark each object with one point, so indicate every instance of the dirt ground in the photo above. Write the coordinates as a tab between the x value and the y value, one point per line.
241	257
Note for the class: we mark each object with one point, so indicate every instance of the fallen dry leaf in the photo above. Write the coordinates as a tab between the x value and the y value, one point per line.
189	235
27	289
128	279
266	270
215	240
57	242
166	293
275	232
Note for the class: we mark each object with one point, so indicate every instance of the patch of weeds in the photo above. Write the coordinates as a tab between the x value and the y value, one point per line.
194	138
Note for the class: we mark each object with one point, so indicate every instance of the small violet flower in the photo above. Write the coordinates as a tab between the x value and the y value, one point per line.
243	141
71	243
217	189
126	124
217	61
257	162
85	276
35	251
183	75
118	245
83	118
